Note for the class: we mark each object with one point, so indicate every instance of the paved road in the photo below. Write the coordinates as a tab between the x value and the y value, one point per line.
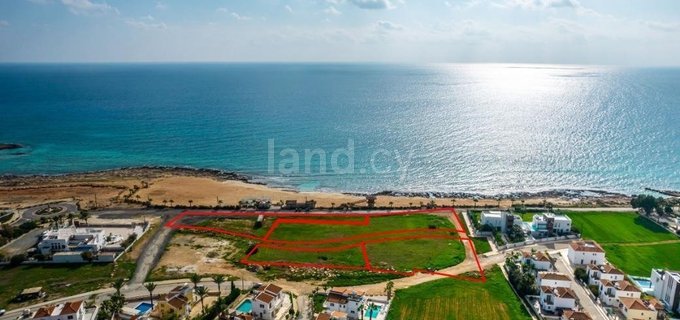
153	250
562	265
30	213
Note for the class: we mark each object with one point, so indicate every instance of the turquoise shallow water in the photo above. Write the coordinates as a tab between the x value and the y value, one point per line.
474	128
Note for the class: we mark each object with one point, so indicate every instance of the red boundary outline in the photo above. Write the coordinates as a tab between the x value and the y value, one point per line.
366	239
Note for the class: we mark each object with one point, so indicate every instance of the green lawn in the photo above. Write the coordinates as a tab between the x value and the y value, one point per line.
454	299
639	260
57	281
618	227
481	245
526	216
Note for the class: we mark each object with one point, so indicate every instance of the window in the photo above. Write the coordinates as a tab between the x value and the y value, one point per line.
70	317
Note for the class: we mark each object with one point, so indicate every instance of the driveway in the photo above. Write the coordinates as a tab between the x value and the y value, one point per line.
562	265
26	241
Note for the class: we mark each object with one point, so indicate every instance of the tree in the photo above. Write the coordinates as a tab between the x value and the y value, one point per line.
668	210
219	279
453	202
581	274
118	284
475	200
195	279
70	217
646	202
361	311
332	205
150	286
391	204
201	292
516	234
17	259
87	256
388	289
371	309
172	202
190	203
84	215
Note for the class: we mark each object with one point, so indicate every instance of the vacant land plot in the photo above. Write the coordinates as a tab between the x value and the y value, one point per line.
407	255
640	259
310	232
458	299
618	227
57	281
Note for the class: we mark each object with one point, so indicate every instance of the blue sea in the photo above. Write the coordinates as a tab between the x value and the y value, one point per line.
482	128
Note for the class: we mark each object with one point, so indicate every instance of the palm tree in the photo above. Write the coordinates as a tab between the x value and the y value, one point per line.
190	202
84	215
118	284
410	204
453	202
391	204
165	202
195	279
332	205
201	292
361	311
219	202
388	289
151	287
498	200
172	202
475	200
371	307
219	279
522	201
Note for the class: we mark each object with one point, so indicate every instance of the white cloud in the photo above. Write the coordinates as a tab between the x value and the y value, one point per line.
146	23
161	5
332	11
389	26
662	26
4	23
234	15
373	4
541	4
87	7
289	9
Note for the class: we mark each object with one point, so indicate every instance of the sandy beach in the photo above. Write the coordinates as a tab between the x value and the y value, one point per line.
177	186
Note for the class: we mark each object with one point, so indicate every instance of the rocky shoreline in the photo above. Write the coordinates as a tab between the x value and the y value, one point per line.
153	172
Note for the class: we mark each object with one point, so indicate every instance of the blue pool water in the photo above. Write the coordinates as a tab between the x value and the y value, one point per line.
144	307
245	306
372	313
643	283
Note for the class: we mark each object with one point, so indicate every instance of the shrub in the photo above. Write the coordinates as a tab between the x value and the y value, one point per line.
87	256
17	259
581	274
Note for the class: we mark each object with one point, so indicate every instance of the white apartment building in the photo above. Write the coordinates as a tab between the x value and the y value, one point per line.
267	303
501	220
604	272
549	224
73	310
71	239
667	288
553	280
612	291
345	300
555	299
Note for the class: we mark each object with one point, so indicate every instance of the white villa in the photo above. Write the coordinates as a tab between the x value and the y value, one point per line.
501	220
547	224
71	239
268	302
555	299
540	260
667	288
612	291
553	280
585	253
345	301
604	272
638	309
73	310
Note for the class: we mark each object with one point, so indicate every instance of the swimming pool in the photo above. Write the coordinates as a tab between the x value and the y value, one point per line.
245	307
643	282
372	313
144	307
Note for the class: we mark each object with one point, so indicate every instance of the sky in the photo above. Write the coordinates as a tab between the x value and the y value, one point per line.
614	32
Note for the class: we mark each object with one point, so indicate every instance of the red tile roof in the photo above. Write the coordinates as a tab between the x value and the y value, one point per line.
575	315
71	307
586	246
273	288
323	316
634	304
44	312
265	297
553	276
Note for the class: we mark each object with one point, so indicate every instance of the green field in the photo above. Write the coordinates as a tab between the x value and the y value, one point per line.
416	254
481	245
618	227
459	299
291	231
639	260
349	257
632	242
